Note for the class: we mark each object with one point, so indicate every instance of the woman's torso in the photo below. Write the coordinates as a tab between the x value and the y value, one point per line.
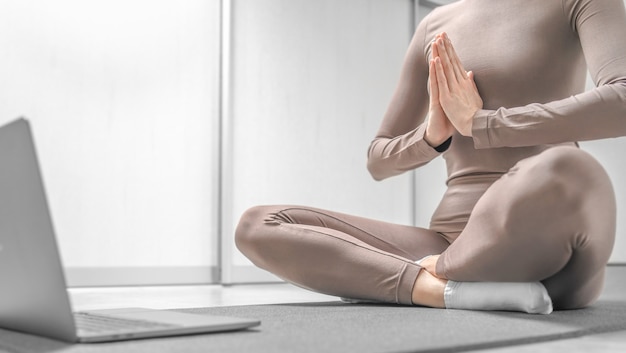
521	52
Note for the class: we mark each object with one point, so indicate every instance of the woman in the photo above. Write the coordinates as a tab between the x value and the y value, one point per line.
528	220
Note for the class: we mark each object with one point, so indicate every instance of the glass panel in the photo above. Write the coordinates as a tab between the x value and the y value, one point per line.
311	81
124	100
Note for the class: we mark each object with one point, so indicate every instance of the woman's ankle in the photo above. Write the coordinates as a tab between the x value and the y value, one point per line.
428	290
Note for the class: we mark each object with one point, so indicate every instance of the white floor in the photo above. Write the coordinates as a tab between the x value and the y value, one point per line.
172	297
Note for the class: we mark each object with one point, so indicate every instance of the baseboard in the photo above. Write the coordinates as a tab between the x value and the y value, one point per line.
140	276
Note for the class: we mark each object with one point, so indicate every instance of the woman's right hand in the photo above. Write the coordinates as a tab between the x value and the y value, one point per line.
430	265
438	127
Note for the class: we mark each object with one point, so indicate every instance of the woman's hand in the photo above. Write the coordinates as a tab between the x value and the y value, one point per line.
438	127
430	265
458	95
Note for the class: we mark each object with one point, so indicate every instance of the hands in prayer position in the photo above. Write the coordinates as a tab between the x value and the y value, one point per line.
454	98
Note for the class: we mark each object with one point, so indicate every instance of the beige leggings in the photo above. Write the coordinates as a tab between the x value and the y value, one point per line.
551	218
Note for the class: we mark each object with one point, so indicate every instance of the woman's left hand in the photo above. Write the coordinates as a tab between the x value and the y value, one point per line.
458	94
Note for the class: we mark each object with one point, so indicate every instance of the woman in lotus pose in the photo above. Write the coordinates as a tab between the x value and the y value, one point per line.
528	219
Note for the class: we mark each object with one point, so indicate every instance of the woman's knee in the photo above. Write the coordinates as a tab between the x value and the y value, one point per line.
570	175
248	234
585	183
570	164
574	188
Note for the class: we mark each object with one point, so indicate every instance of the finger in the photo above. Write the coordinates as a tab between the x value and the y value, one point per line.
470	75
442	82
432	82
450	76
435	48
457	66
459	71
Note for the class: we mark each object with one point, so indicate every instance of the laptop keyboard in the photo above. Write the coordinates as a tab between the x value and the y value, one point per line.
93	323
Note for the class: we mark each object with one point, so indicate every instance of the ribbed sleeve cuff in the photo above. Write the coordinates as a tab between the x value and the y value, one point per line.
480	129
422	147
444	146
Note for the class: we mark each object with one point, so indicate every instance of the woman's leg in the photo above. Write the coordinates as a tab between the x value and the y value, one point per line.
550	219
339	254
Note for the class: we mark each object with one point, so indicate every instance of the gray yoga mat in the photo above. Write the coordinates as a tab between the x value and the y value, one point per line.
338	327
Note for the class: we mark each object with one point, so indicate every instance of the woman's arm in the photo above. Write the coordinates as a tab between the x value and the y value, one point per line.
399	144
599	113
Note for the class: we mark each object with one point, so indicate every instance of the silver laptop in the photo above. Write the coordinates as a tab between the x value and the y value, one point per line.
33	294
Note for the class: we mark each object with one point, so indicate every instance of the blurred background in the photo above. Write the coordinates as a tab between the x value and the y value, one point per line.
158	122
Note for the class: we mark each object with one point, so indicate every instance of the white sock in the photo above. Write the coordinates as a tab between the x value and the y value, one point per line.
529	297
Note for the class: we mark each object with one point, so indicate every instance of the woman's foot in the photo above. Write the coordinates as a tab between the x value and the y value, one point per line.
527	297
428	290
433	291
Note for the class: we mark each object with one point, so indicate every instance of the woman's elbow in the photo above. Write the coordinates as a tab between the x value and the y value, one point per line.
376	170
374	161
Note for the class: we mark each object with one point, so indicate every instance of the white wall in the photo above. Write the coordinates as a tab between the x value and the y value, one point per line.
123	96
310	81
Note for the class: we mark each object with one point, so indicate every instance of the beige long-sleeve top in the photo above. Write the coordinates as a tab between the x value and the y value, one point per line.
530	59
